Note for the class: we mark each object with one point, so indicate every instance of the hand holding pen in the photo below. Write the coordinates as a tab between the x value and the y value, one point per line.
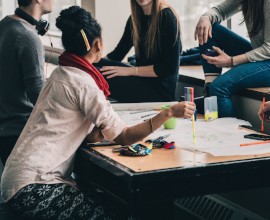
189	96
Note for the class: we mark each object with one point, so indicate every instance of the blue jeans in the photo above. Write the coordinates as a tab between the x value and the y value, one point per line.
247	75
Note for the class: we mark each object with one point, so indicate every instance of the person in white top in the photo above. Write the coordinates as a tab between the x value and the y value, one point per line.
71	107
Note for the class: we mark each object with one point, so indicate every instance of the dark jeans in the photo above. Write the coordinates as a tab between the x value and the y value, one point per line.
247	75
6	145
132	89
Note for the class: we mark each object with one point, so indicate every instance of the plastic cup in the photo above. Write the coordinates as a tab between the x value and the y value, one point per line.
170	123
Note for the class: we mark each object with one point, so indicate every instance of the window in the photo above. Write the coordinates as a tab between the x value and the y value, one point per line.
189	12
57	7
7	7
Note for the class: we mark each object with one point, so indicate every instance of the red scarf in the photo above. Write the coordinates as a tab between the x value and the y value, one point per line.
69	59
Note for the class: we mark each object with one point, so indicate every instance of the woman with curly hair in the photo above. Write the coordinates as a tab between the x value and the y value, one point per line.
71	107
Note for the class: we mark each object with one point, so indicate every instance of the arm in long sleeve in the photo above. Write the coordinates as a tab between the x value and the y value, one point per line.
262	52
170	45
224	10
98	110
31	58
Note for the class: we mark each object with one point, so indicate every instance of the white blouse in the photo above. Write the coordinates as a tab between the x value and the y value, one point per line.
68	107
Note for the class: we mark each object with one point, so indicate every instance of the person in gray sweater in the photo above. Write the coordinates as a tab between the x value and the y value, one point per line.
21	68
248	60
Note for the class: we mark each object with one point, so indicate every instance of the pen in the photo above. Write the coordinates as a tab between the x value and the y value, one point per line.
254	143
144	116
263	104
140	111
193	129
102	144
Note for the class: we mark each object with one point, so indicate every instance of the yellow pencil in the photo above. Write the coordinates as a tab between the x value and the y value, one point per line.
193	129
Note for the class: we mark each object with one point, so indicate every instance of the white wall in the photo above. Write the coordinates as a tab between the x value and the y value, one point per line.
238	27
8	7
112	16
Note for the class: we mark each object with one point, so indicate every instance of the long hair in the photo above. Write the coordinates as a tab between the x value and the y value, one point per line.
253	11
152	43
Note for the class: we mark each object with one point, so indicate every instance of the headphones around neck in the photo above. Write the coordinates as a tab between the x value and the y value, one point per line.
42	26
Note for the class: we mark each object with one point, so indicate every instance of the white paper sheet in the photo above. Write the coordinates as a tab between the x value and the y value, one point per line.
221	137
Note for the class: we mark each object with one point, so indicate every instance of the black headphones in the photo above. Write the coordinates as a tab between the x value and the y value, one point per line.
42	26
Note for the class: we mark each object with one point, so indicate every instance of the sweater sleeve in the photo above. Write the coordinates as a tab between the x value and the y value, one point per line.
224	10
124	44
262	52
30	55
170	45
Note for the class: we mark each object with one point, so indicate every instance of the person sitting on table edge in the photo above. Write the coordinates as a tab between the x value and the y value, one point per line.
71	107
249	61
154	31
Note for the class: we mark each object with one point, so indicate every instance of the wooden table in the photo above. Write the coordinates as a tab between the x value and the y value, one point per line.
147	186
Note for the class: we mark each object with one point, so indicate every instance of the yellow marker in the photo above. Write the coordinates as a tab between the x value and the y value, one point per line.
193	129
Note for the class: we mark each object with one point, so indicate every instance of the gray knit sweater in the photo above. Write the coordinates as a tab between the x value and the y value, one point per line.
260	42
21	74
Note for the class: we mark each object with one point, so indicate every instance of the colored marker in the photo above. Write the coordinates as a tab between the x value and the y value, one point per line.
144	116
254	143
189	96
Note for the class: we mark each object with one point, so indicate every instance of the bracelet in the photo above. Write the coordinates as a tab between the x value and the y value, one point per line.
209	16
137	70
151	125
232	65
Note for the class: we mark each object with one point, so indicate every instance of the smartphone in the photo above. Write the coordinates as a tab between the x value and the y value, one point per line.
257	137
211	53
250	128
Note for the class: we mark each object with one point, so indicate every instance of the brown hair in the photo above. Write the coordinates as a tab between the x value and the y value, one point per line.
253	12
152	43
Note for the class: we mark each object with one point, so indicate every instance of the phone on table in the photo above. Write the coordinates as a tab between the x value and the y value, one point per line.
257	137
250	128
211	53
